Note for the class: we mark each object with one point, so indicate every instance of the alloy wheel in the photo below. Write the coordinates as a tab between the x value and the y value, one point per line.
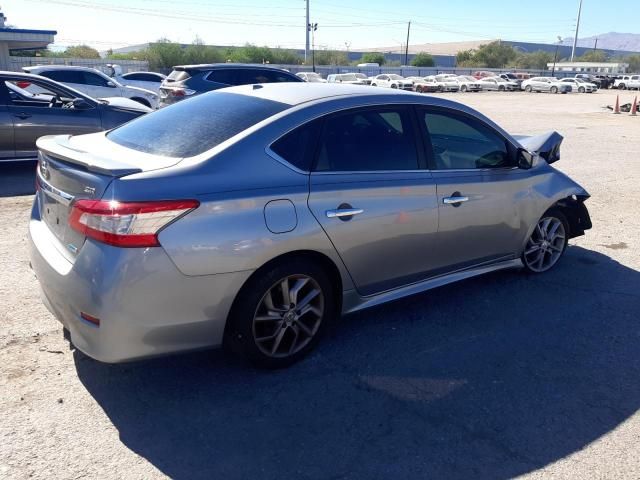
546	245
288	316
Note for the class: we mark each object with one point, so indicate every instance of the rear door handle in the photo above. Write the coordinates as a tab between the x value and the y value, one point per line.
454	200
344	212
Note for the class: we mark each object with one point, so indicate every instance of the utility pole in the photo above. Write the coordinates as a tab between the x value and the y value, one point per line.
306	48
312	27
406	47
575	39
595	46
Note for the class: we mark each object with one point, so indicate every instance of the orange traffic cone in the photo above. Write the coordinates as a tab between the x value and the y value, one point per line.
616	110
634	107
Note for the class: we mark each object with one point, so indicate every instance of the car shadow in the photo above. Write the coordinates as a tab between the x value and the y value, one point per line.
489	378
17	178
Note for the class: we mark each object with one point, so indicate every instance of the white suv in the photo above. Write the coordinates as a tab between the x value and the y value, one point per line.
392	80
628	82
580	85
94	83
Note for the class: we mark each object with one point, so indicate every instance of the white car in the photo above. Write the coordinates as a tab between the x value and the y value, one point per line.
391	80
447	82
630	82
468	83
546	84
349	78
498	84
94	83
312	77
147	80
580	85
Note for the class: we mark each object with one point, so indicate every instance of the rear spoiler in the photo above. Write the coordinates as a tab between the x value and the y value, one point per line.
546	145
60	147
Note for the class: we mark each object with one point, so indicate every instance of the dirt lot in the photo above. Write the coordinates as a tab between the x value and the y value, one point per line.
496	377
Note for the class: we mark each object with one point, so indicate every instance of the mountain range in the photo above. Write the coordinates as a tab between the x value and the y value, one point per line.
611	41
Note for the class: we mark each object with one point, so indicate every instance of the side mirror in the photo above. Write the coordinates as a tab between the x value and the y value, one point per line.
524	159
81	104
111	85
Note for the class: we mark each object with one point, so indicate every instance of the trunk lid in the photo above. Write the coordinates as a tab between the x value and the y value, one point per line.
67	173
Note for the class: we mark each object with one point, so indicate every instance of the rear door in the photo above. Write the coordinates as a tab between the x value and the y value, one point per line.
7	149
374	199
34	118
479	192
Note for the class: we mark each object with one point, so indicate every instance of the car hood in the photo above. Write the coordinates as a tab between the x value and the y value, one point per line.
141	90
126	103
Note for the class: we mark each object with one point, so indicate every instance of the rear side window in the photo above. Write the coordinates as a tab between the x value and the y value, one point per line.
178	76
196	125
250	76
226	76
144	77
372	139
94	80
298	146
65	76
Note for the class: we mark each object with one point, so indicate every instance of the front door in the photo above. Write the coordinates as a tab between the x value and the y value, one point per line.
480	194
374	200
7	149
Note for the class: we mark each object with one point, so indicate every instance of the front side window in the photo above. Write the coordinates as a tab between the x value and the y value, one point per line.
372	139
460	142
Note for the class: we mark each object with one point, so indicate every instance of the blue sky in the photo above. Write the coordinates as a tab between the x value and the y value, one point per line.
353	23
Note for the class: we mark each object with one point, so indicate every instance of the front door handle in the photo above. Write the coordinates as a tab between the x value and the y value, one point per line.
22	116
343	212
456	199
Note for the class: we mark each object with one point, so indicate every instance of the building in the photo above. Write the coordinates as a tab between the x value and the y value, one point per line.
16	39
589	67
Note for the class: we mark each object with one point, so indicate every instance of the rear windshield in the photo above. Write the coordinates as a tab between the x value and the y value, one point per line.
178	76
193	126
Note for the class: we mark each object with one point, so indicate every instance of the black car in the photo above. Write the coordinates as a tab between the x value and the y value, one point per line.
32	106
187	80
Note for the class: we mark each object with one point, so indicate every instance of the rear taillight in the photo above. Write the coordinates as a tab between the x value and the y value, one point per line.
126	224
181	92
23	84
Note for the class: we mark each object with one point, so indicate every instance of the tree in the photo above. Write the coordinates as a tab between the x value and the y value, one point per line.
492	55
534	60
597	56
81	51
331	57
634	62
464	56
163	54
373	57
423	59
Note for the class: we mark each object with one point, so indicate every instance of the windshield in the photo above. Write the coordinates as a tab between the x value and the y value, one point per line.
579	80
349	77
393	76
360	75
469	79
510	75
196	125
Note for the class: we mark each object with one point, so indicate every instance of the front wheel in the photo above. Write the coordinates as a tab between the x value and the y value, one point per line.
581	90
280	315
547	243
463	88
622	86
554	89
528	89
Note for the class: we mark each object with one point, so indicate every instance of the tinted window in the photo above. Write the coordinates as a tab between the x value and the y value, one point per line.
195	125
144	77
94	80
460	142
250	76
366	140
178	76
298	146
226	76
65	76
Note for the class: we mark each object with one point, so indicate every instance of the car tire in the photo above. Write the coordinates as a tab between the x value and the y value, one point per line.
463	89
547	242
501	88
419	89
374	84
554	90
528	88
289	335
394	85
581	90
622	86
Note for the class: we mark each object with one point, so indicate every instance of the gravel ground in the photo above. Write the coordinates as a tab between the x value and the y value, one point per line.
501	376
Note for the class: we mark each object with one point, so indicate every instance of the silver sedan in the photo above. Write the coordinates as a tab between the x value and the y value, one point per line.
255	216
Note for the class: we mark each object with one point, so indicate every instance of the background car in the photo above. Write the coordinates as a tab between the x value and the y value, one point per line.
94	83
391	80
311	77
187	80
468	83
241	230
498	84
511	77
482	74
32	106
420	85
628	82
588	77
445	83
147	80
580	85
546	84
349	78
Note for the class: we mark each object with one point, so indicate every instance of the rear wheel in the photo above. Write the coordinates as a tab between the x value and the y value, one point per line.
280	315
393	85
501	88
554	89
622	86
547	243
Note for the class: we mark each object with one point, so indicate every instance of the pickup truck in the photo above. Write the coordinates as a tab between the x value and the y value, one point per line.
628	82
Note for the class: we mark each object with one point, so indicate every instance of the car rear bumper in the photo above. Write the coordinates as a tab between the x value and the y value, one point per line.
145	305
